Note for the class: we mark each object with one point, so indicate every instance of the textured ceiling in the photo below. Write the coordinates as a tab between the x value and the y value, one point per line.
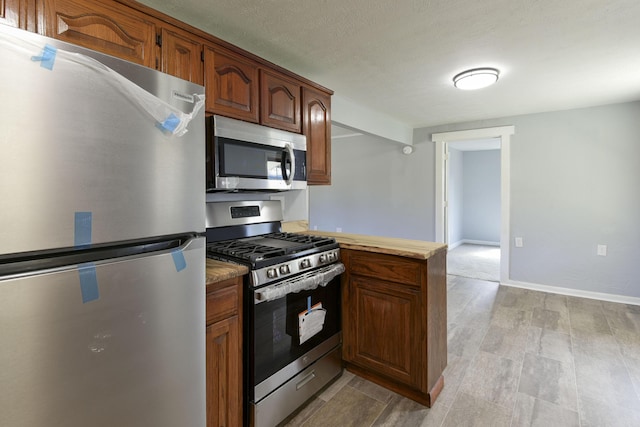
398	57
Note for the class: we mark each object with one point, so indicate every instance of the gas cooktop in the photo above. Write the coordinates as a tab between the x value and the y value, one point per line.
268	249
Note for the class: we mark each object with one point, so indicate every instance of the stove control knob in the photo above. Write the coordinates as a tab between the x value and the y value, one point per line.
323	258
331	256
284	269
272	273
305	263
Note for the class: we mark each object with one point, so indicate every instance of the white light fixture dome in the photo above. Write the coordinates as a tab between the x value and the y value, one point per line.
476	78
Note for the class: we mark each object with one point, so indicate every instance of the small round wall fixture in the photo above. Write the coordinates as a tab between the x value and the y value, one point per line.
476	78
407	149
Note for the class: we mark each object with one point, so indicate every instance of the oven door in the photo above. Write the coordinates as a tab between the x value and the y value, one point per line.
289	333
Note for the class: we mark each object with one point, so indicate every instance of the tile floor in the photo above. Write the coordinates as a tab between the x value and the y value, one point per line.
516	358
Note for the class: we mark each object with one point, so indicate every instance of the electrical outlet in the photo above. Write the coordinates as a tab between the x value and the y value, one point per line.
339	230
518	242
315	227
602	250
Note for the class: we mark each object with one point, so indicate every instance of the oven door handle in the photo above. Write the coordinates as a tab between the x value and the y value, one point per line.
308	281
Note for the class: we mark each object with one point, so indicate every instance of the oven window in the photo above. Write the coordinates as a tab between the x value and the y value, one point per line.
276	328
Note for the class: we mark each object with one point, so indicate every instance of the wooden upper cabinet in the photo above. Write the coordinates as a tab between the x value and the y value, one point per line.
316	125
231	82
107	27
21	14
10	12
181	55
280	101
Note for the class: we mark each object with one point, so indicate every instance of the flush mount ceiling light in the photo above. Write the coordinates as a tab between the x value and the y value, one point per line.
476	78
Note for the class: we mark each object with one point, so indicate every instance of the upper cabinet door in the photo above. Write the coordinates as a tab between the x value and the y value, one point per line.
107	27
280	101
181	55
231	83
21	14
316	125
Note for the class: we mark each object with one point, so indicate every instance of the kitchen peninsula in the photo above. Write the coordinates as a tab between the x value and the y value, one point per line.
394	311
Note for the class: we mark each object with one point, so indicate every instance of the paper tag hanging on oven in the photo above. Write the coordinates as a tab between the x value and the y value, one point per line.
311	321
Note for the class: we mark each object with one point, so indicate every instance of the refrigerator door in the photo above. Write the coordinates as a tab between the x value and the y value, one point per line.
119	343
84	161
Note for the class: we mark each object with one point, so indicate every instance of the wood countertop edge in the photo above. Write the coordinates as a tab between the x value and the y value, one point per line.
218	271
416	249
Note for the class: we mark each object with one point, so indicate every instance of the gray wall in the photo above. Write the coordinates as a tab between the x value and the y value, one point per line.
574	184
481	196
456	196
376	190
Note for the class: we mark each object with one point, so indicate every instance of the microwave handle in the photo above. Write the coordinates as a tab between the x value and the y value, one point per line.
288	154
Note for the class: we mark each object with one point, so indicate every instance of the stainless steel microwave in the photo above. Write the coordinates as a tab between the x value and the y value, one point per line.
244	156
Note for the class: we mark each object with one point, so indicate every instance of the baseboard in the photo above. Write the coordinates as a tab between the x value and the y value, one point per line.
456	244
479	242
623	299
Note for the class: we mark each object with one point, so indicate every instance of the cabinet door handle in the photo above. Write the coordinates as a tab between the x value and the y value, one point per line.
306	380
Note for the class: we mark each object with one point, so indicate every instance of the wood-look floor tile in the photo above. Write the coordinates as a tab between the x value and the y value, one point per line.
595	413
607	381
555	302
549	343
550	380
471	411
402	412
551	319
464	341
492	378
337	385
435	416
594	344
522	299
506	342
510	317
588	321
633	366
533	412
453	374
303	413
349	407
372	390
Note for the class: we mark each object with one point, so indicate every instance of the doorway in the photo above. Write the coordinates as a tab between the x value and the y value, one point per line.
444	142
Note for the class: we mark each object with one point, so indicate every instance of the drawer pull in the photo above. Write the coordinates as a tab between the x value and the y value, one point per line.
306	380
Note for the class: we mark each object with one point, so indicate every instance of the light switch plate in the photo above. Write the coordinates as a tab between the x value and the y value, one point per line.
518	242
602	250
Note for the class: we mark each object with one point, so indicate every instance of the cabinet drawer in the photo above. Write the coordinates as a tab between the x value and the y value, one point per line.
391	268
223	302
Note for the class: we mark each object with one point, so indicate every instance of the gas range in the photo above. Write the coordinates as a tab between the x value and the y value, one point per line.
274	256
249	233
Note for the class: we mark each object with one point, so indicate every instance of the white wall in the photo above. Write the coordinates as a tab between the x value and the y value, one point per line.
574	184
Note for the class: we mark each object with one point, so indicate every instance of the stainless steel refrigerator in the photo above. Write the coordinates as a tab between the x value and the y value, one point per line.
102	262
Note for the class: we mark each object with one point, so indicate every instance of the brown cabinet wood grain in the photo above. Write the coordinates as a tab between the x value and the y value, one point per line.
224	353
280	101
10	12
107	27
181	55
316	125
231	84
394	321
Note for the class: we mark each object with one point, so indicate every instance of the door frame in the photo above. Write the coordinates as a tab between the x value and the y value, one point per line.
442	141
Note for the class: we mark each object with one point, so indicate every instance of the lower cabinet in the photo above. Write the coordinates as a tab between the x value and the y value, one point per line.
224	353
394	321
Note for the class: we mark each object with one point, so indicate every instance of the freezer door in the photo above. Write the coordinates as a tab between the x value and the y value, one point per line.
84	160
121	343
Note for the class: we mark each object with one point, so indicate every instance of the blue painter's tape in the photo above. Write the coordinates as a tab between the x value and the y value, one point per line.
82	229
178	260
88	282
308	304
170	123
48	57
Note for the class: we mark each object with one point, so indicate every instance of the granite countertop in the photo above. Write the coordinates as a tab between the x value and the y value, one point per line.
217	271
417	249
